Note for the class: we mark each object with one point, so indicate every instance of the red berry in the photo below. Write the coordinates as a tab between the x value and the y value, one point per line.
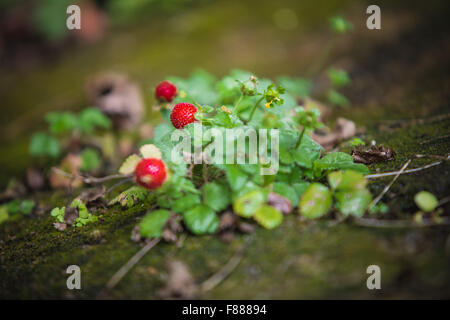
150	173
165	91
182	114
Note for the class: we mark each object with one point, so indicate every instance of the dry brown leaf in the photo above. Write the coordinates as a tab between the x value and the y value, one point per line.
70	215
343	129
68	175
117	97
60	226
180	283
373	154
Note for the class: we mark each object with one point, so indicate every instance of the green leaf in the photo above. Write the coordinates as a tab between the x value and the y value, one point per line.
353	202
61	122
216	196
246	205
91	119
3	214
129	164
268	217
201	220
299	87
339	161
58	212
130	197
235	176
315	201
338	99
185	203
43	144
346	180
20	207
426	201
338	77
340	25
153	223
286	191
356	142
162	130
90	159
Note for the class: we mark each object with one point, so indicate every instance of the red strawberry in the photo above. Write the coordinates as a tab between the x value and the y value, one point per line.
165	91
150	173
182	114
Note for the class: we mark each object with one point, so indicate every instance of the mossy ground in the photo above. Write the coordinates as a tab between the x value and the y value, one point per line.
297	260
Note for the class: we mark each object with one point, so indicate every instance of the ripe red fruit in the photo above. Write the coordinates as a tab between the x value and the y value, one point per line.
182	114
150	173
165	91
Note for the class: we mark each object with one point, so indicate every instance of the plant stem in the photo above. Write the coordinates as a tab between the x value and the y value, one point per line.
299	141
238	102
253	110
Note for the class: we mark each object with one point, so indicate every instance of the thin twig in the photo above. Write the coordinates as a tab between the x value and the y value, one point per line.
382	193
117	184
393	173
127	266
89	179
226	270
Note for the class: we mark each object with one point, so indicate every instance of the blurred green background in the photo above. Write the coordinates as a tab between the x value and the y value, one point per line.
44	66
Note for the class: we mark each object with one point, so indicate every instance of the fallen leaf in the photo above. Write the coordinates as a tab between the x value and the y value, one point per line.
373	154
60	226
227	221
35	179
180	283
68	175
70	215
343	129
118	97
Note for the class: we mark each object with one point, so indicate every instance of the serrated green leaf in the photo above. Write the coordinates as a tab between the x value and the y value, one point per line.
315	201
216	196
153	223
268	217
185	203
236	177
201	220
129	164
339	161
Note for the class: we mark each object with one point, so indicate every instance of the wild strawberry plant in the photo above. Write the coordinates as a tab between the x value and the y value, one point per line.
309	182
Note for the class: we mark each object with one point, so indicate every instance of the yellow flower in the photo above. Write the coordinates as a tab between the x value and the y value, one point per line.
269	104
225	109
